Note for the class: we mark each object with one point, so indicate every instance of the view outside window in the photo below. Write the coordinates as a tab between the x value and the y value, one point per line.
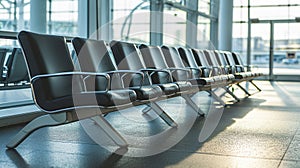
203	34
61	19
62	16
204	6
131	20
174	27
284	15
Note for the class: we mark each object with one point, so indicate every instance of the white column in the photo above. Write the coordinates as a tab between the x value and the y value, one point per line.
38	20
225	25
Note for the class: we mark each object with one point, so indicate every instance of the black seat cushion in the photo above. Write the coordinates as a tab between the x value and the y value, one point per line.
242	75
169	88
202	81
184	86
147	92
104	99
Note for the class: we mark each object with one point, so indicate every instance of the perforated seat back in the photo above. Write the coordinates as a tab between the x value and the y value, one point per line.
48	54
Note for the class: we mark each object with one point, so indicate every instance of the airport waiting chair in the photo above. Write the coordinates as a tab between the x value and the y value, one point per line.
203	63
240	74
58	90
243	67
93	56
209	55
174	59
127	57
205	59
154	58
190	62
16	68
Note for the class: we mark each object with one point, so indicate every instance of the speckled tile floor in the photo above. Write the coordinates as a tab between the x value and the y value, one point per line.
260	131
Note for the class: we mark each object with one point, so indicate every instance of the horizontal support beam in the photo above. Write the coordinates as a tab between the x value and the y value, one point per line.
190	10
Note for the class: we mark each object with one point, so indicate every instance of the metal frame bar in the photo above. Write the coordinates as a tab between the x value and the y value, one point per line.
193	105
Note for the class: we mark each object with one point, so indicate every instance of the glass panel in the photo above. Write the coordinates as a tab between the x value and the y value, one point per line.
286	49
271	2
269	13
239	41
204	6
240	3
260	46
131	21
14	16
203	33
62	16
240	14
294	12
174	32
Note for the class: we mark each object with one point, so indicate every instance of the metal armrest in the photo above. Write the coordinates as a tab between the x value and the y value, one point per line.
192	68
196	69
123	73
84	74
209	68
154	71
189	71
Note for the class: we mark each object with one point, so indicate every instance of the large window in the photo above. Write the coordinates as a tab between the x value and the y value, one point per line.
62	16
174	26
131	20
203	34
279	16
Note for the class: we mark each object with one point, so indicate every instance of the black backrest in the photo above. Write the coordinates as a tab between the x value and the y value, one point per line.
215	56
222	58
187	57
238	61
209	56
16	67
93	56
201	58
48	54
174	60
3	52
189	60
127	57
202	62
231	62
153	57
229	58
